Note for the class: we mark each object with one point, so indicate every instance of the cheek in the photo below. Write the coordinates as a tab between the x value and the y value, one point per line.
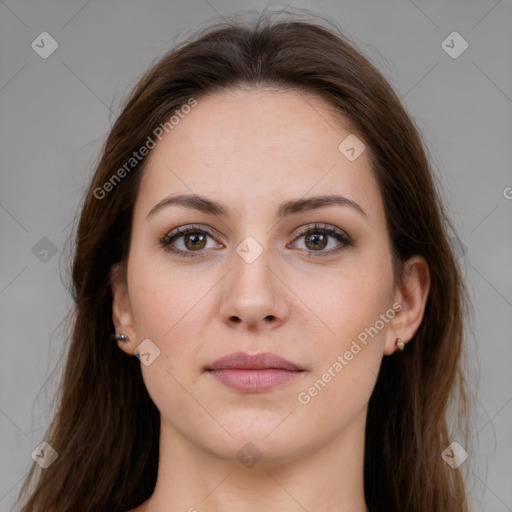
347	361
352	303
168	308
150	299
158	296
166	312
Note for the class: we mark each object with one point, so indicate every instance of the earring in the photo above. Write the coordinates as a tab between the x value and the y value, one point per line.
121	337
400	343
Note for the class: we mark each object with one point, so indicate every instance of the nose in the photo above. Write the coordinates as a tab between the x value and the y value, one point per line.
254	296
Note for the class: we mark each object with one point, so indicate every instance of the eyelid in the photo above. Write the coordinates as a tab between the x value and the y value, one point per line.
192	228
343	238
320	227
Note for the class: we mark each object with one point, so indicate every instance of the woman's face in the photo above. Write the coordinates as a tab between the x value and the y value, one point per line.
258	273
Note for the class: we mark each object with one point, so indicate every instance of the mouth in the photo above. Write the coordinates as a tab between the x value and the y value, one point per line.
253	373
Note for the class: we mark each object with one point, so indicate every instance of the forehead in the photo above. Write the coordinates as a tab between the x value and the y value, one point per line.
253	146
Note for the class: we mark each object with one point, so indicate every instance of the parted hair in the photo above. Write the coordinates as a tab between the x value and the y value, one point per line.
106	427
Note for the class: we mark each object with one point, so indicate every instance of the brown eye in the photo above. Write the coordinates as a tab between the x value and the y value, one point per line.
316	241
322	240
189	241
194	241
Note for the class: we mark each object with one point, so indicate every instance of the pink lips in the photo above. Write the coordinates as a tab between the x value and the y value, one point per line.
253	373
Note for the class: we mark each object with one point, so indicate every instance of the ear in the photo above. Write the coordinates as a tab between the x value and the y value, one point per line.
121	309
412	296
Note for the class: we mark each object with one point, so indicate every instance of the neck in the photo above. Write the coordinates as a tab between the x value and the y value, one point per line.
328	477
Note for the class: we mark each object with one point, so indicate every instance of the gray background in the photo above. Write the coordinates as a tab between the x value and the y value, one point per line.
55	113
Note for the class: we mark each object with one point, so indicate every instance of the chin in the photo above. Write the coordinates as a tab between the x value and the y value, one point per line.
254	451
258	440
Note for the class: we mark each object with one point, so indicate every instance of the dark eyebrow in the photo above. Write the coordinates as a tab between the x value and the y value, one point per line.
316	202
203	204
191	201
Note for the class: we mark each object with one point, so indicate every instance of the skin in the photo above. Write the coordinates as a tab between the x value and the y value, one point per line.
251	149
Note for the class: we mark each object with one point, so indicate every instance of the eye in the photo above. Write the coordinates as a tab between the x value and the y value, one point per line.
317	238
192	241
186	240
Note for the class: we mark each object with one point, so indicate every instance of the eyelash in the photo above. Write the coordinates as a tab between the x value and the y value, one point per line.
339	235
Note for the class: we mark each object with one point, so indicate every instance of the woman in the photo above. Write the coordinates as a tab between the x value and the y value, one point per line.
264	241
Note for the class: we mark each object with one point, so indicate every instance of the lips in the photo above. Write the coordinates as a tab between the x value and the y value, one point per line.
253	373
261	361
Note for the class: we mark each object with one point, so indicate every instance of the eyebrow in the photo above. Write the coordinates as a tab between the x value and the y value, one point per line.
291	207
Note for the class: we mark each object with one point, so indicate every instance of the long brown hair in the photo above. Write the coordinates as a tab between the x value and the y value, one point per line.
106	428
